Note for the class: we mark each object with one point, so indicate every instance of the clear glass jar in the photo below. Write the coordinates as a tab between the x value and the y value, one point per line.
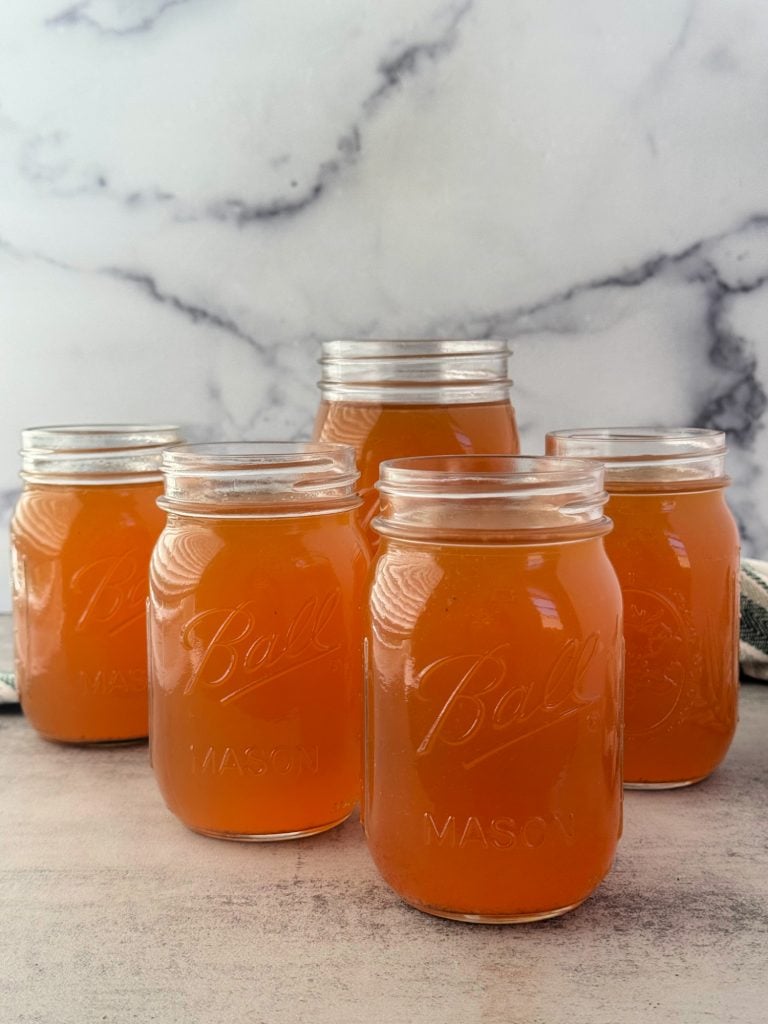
493	740
81	537
255	619
675	548
391	399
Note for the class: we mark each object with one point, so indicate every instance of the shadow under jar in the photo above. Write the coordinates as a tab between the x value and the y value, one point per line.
255	627
493	720
81	537
391	399
675	548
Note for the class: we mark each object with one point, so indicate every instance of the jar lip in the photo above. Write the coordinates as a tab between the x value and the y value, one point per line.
415	372
450	497
635	444
259	478
291	457
410	348
501	475
77	437
95	453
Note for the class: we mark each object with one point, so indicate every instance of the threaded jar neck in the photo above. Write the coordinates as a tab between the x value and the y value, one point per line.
425	372
259	479
95	454
491	499
652	458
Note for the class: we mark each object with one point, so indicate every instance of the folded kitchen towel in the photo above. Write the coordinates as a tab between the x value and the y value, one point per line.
753	653
8	694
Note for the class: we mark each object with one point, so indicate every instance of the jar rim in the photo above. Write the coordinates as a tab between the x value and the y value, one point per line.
410	348
415	371
91	436
648	456
259	478
95	453
298	457
504	498
497	474
615	444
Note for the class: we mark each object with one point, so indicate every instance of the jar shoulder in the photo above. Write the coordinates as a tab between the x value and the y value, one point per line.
513	588
699	526
50	519
220	553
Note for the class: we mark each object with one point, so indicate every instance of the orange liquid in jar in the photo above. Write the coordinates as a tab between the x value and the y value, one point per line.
676	556
80	581
379	431
256	663
493	769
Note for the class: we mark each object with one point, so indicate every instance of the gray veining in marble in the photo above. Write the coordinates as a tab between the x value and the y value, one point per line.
193	194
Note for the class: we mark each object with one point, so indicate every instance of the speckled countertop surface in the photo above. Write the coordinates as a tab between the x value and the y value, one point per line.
111	911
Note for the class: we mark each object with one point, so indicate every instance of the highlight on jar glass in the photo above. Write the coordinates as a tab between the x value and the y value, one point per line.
391	399
493	719
81	538
255	632
675	548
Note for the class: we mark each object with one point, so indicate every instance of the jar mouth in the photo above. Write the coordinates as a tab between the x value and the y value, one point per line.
412	372
665	455
464	477
95	453
495	495
411	348
259	476
99	436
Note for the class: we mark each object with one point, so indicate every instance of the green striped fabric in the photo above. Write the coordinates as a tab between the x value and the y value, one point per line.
8	694
753	654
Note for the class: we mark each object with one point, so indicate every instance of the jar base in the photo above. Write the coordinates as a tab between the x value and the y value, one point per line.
268	837
129	741
450	915
665	785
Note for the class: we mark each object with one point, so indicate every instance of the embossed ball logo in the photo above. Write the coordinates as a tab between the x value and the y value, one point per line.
235	654
490	709
113	590
657	652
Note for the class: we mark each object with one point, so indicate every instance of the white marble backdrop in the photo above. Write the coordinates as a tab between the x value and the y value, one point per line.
193	193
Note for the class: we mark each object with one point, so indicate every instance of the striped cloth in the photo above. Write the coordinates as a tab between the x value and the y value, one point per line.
8	694
753	649
753	653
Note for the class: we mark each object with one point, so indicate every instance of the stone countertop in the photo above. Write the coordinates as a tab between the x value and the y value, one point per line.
112	911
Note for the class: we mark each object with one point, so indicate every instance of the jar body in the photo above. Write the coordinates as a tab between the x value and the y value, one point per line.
677	559
380	431
80	560
255	672
493	743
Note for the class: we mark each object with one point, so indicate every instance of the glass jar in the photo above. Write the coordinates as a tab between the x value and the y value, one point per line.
675	548
255	619
391	399
493	749
81	537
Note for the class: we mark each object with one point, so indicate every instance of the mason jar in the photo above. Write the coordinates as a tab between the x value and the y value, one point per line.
255	628
675	548
391	399
494	655
81	537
